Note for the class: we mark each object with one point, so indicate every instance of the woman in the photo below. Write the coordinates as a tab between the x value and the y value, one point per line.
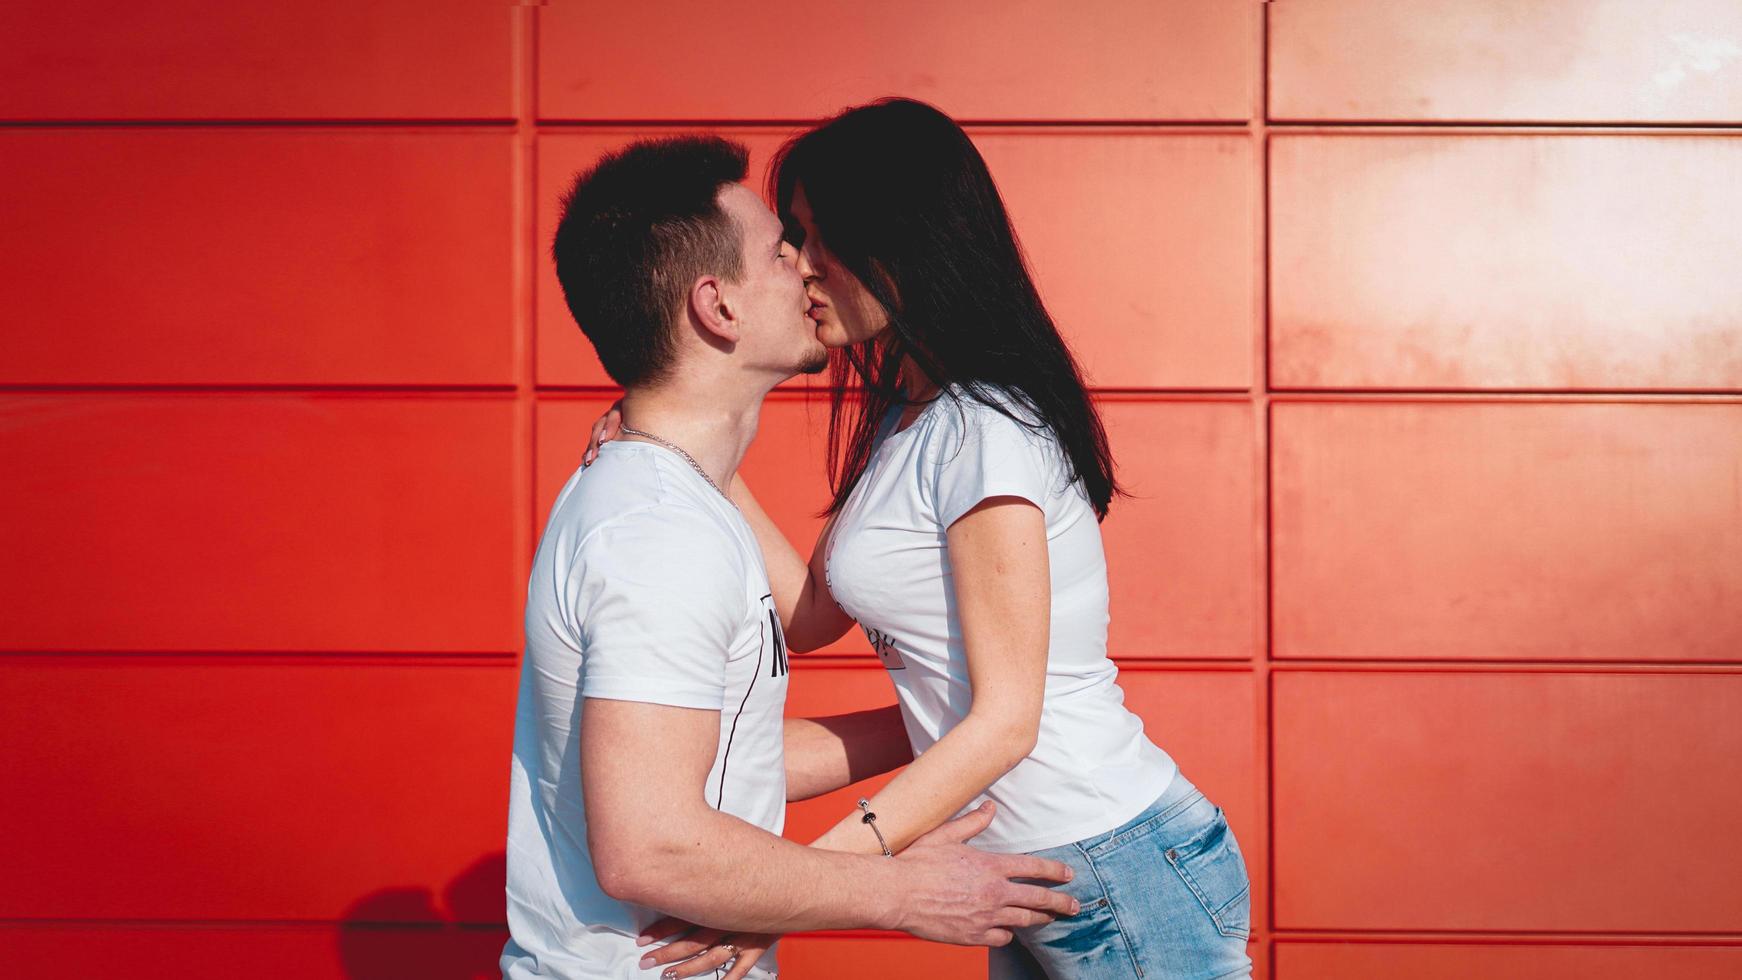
969	479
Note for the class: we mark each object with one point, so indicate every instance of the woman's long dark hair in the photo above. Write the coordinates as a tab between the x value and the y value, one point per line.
902	198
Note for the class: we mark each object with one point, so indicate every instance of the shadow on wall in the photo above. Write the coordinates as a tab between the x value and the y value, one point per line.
402	932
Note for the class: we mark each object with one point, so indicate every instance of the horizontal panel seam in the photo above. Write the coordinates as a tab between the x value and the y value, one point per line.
494	124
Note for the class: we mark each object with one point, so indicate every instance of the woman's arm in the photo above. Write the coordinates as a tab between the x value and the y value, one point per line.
809	617
808	614
825	754
1003	587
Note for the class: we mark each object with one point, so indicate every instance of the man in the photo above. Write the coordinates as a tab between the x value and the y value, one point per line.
648	767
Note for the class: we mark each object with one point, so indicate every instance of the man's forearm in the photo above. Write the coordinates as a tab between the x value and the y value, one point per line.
825	754
719	871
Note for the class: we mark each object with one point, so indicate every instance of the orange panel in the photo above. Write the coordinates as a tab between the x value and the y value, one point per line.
1385	961
1507	801
263	952
1142	244
1182	552
224	789
877	956
565	357
1207	721
240	256
832	689
1124	59
785	466
1518	531
184	59
1514	261
1506	61
259	522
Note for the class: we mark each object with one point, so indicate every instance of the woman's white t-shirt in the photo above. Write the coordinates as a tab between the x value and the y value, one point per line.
888	566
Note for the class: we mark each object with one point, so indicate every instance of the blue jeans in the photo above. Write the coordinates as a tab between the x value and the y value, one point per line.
1164	897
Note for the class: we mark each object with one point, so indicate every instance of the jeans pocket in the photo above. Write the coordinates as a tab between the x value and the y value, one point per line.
1211	866
1088	944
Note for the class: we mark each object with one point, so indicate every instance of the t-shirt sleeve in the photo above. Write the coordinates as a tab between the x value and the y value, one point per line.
662	600
985	453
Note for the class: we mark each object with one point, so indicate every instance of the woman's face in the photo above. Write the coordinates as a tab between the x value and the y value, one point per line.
844	311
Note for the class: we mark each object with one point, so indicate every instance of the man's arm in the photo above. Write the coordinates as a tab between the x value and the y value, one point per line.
825	754
655	841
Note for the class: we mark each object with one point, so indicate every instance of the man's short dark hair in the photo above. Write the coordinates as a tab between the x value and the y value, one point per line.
636	231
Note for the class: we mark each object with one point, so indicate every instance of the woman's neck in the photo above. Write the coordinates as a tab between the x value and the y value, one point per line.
918	386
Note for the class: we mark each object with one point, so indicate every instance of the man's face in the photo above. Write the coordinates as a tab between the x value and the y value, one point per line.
769	297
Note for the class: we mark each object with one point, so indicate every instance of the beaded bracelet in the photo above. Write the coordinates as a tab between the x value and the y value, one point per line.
870	820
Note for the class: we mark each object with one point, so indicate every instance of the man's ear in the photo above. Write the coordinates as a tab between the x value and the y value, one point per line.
709	307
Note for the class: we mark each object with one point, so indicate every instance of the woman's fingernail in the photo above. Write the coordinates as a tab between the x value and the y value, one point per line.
669	975
647	961
1076	906
642	941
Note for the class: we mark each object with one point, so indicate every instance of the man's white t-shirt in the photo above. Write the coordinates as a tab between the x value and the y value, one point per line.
888	566
648	586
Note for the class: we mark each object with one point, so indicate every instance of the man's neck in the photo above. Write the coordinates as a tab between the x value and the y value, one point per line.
715	427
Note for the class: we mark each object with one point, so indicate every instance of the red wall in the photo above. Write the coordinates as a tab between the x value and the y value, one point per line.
1415	326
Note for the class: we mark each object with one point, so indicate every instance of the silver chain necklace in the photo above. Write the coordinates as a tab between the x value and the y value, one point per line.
674	447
